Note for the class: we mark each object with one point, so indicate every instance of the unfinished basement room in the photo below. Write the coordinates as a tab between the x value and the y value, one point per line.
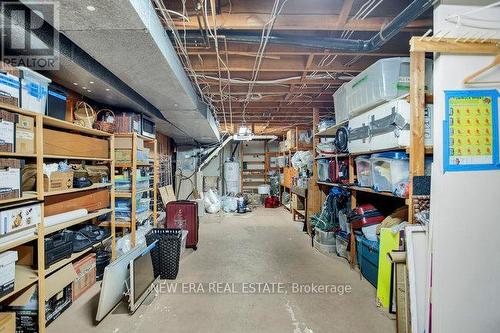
250	166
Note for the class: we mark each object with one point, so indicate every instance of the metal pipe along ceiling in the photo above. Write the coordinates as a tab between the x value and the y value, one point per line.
409	14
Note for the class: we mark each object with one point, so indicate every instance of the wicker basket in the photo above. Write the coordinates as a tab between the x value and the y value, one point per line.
84	115
104	125
166	254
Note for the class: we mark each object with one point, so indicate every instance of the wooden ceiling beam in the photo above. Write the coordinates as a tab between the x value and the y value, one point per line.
309	82
344	13
285	64
299	22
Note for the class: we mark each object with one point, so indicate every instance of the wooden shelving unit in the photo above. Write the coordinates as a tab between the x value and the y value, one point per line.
26	275
253	165
134	142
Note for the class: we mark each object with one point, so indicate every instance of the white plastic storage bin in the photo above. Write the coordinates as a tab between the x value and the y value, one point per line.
387	126
364	171
7	272
390	172
325	237
34	90
340	104
382	81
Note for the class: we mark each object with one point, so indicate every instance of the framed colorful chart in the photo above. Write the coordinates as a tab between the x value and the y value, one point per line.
471	137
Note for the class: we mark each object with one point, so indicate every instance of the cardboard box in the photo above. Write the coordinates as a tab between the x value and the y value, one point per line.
7	272
123	156
19	217
126	143
58	181
7	131
57	299
86	271
7	322
25	135
10	174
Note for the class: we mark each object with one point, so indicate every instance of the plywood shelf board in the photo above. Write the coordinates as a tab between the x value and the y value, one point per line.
29	195
68	157
67	224
17	242
72	190
19	155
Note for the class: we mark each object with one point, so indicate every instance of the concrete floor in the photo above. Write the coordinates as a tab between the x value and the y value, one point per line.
260	247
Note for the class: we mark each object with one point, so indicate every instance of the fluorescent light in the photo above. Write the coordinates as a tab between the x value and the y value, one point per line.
107	89
91	8
91	82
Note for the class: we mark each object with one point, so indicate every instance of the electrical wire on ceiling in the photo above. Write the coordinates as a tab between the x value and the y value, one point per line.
266	31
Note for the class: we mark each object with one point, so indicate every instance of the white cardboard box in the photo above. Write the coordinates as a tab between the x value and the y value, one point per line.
19	218
7	271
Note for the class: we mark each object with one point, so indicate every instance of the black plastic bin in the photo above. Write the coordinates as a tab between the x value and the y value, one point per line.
165	255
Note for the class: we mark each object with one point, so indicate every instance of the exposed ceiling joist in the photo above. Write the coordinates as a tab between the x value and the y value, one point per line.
299	22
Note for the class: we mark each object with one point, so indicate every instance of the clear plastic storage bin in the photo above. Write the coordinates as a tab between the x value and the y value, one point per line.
123	214
383	81
34	90
390	172
340	104
364	171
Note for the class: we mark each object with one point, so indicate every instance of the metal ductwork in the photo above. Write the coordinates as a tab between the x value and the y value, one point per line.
409	14
124	43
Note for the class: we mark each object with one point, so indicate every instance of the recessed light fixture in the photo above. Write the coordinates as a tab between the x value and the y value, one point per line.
107	89
89	90
84	88
91	82
91	8
75	83
176	105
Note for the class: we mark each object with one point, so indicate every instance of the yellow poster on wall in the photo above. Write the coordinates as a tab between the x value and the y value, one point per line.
471	124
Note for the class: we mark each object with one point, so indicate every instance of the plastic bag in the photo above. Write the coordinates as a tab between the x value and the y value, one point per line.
229	204
302	160
212	202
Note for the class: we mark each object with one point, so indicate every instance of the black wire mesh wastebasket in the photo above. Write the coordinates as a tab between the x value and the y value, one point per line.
165	255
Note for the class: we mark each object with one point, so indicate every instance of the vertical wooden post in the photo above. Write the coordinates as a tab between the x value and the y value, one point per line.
133	177
112	195
313	192
354	203
41	227
417	105
156	167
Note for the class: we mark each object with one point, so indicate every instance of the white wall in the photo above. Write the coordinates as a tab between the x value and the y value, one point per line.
465	209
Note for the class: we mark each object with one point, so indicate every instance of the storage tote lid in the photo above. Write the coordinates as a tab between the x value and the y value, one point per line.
395	155
8	257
